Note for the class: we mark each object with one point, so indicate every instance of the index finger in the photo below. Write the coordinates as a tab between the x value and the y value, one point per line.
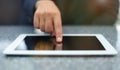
58	28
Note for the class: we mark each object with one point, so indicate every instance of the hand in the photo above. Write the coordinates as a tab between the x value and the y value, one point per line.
47	18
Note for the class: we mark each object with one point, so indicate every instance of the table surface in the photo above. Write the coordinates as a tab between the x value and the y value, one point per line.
9	33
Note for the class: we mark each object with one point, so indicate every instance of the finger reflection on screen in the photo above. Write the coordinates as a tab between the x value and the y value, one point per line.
48	45
57	45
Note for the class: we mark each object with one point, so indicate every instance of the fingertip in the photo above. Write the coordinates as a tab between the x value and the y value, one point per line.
59	39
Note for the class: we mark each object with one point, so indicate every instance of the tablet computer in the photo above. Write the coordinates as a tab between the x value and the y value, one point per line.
72	44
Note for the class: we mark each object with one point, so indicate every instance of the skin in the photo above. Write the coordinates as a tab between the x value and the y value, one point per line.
47	18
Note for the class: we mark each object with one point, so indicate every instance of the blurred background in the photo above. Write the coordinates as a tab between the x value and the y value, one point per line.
9	11
90	12
74	12
119	15
118	21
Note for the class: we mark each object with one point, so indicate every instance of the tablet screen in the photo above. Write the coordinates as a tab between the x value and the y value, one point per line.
68	43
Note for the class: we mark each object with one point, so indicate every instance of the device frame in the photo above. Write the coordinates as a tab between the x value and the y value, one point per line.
109	50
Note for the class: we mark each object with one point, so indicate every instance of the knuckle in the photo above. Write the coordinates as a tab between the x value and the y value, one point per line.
48	13
56	13
40	13
36	13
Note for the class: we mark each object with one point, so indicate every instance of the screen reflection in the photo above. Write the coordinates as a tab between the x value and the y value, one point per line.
40	43
68	43
48	45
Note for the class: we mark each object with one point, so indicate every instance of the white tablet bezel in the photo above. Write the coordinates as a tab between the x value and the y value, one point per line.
109	50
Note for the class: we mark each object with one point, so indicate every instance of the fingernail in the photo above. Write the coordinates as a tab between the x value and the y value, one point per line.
59	39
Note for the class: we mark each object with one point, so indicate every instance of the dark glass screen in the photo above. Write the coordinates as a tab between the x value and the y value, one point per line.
68	43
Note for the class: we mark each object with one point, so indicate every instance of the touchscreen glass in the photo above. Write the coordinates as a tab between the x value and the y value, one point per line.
68	43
